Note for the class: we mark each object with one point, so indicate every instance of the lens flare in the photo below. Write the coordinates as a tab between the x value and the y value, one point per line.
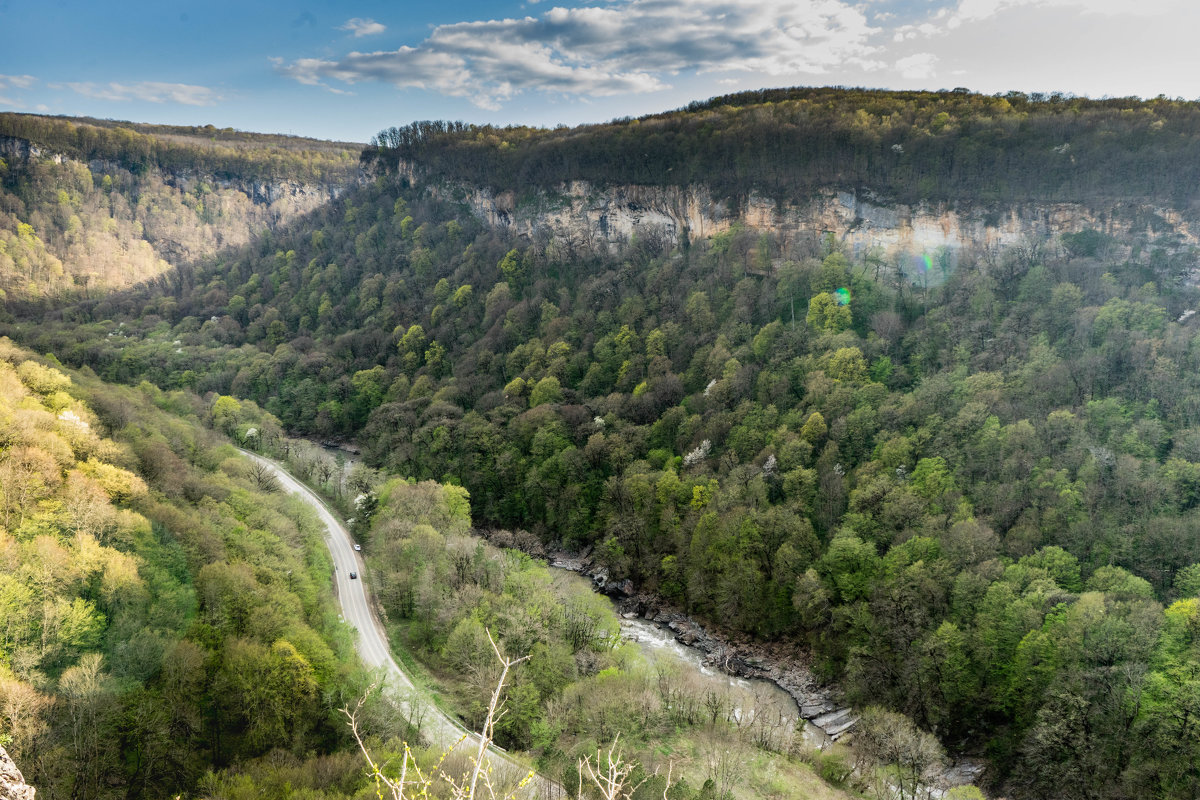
928	264
842	296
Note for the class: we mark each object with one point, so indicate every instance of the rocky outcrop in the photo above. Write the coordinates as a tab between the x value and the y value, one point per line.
924	240
300	198
12	782
287	198
14	149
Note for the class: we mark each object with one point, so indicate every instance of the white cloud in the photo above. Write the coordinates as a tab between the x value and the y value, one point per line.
626	46
977	10
362	27
621	48
1091	47
918	66
17	81
149	92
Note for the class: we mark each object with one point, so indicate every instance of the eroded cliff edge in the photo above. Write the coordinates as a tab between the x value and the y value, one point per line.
923	238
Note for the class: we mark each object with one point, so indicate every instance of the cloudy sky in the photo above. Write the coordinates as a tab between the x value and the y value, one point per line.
344	70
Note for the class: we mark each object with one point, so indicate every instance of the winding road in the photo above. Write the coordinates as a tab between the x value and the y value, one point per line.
435	725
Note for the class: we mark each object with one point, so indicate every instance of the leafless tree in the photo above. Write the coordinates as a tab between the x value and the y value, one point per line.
476	782
610	774
264	478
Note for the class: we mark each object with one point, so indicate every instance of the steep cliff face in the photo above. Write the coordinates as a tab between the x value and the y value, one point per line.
283	199
12	782
913	238
231	213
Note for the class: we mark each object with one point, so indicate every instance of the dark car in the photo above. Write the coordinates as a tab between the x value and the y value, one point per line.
353	575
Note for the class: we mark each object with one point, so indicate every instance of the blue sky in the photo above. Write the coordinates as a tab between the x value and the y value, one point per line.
344	70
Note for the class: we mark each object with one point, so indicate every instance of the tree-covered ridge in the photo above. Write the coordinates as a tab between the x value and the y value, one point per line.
163	613
222	153
904	147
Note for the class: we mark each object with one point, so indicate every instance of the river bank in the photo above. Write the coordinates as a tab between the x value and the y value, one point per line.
650	619
821	706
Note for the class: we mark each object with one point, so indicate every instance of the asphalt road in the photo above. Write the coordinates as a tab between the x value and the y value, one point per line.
436	726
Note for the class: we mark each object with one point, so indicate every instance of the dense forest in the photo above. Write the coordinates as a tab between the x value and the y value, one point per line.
974	503
168	625
906	147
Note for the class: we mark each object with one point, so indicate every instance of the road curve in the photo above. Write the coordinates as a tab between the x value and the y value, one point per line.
435	725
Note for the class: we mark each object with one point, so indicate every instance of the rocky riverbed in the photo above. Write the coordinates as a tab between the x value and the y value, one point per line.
828	716
820	705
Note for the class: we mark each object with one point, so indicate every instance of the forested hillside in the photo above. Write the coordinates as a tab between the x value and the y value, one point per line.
87	206
164	611
974	502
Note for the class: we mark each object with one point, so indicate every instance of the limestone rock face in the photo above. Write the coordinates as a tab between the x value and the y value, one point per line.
12	782
924	241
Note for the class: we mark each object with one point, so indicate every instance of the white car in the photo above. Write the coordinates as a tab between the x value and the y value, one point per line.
358	547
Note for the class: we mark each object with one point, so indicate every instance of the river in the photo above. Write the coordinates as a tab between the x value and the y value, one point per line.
820	718
748	701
